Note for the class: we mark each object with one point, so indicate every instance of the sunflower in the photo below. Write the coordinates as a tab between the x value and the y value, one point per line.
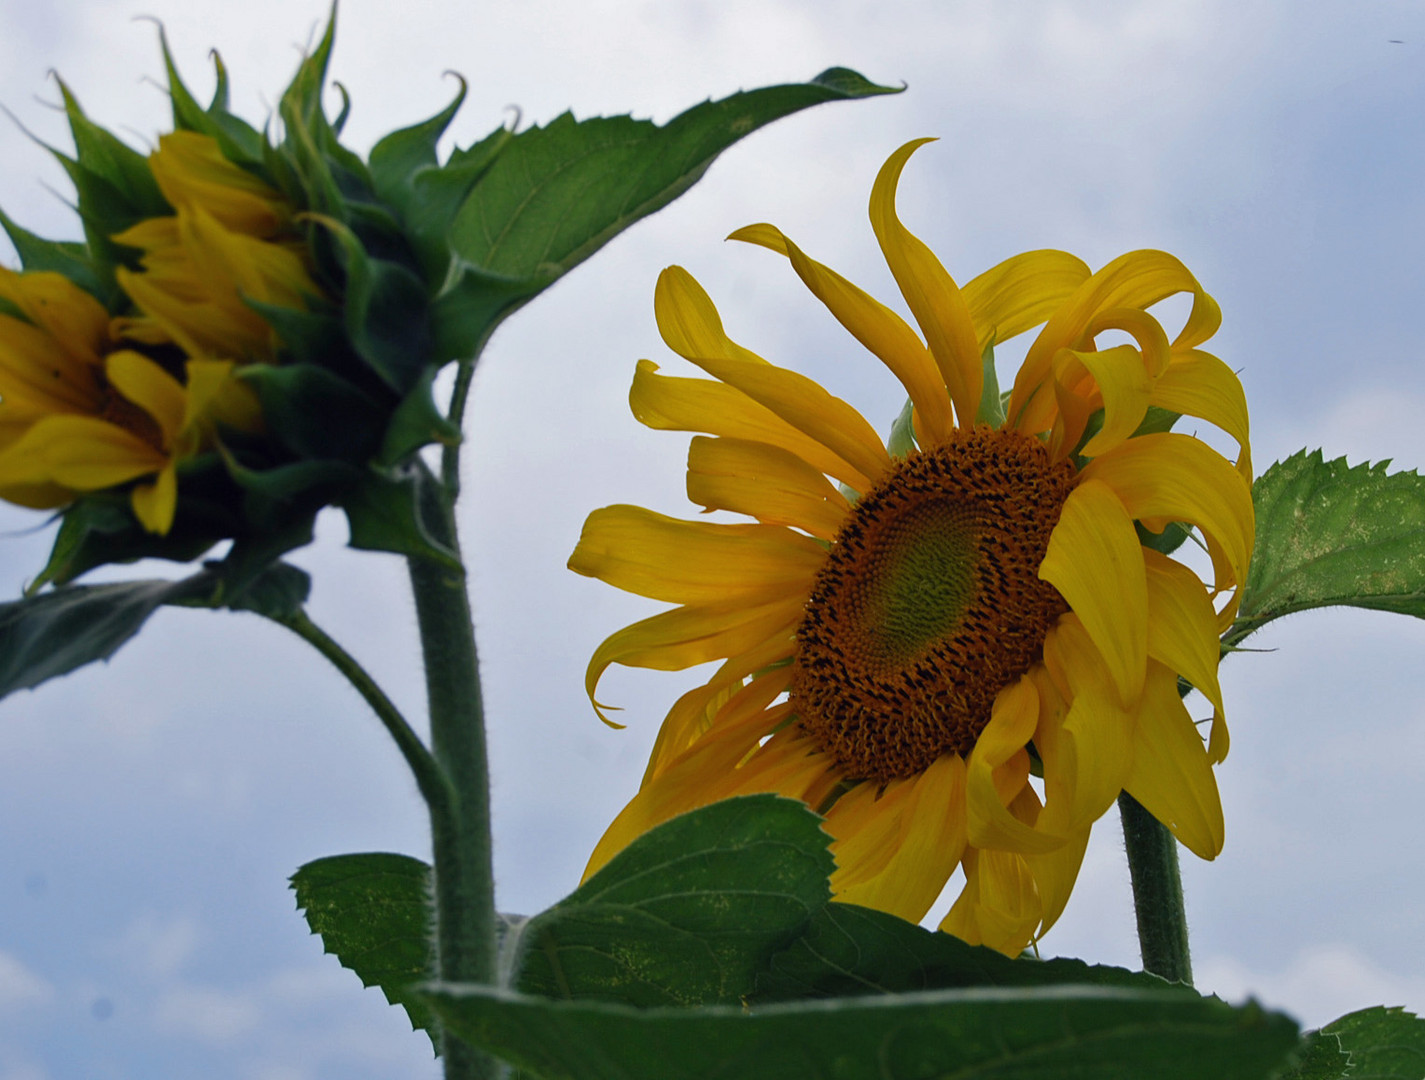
228	244
905	649
79	412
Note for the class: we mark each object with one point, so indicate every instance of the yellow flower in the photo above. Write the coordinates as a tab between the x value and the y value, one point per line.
904	659
78	413
228	242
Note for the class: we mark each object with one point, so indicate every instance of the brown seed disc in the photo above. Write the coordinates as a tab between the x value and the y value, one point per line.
930	603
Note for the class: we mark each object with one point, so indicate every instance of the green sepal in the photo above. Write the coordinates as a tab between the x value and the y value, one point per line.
385	313
57	256
372	912
121	165
397	157
416	422
902	440
470	306
383	514
991	409
239	142
1165	542
315	413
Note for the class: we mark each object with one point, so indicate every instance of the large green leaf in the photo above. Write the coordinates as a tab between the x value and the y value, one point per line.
555	195
1328	534
847	950
1041	1033
1321	1058
373	913
688	913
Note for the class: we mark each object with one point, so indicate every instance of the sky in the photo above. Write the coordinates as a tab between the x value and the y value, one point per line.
155	806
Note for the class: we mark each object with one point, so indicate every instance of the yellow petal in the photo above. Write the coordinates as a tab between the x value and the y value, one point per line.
149	387
154	504
1138	279
1126	390
687	562
765	482
1012	723
1182	626
1171	775
1173	477
1087	763
35	372
1146	330
217	396
1198	384
923	835
874	325
75	321
1021	292
803	403
668	403
1096	563
191	171
1054	876
689	323
930	292
83	453
1000	906
685	636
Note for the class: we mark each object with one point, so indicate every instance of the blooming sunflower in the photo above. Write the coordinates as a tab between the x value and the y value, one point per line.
229	243
79	412
903	651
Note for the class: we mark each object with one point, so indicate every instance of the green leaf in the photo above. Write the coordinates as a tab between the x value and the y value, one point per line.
902	440
991	409
557	194
688	913
373	914
383	514
1384	1044
1328	534
55	632
122	166
239	141
437	194
315	413
1087	1033
847	951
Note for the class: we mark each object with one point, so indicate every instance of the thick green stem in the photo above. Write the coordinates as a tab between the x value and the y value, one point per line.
429	778
460	834
1157	892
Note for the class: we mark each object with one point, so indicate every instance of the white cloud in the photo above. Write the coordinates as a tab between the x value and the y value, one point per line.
1322	982
207	1014
19	986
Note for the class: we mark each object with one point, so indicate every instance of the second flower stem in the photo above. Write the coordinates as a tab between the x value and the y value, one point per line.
1157	892
464	889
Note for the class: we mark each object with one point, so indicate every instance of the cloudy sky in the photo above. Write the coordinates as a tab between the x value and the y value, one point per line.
154	807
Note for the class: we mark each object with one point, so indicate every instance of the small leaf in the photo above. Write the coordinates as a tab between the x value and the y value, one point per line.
417	422
59	256
688	913
1384	1044
397	156
902	440
1327	534
1088	1033
103	154
315	413
373	914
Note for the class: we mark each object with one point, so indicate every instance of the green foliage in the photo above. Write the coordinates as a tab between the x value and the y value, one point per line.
383	513
846	951
1089	1033
1328	534
55	632
373	914
555	195
687	914
1384	1044
1321	1058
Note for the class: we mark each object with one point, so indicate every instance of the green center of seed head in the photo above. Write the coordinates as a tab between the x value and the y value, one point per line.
922	581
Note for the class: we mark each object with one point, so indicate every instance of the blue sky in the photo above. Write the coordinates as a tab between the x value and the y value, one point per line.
155	805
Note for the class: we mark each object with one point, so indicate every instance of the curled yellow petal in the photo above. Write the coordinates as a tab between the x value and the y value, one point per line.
764	482
1011	726
930	292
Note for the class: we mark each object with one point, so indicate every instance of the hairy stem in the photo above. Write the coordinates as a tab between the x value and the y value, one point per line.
1157	892
428	775
460	833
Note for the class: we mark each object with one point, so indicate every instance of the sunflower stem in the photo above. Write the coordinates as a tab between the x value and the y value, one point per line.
1157	892
464	892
